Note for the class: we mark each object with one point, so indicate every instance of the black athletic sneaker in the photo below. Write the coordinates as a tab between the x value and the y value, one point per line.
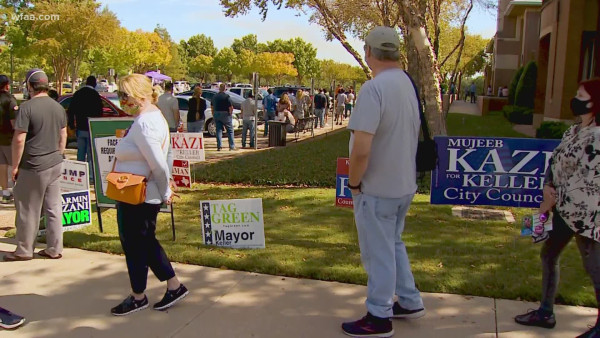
171	297
593	332
9	320
536	318
129	305
369	326
400	312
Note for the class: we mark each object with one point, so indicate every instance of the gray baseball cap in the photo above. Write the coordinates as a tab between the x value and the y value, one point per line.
383	38
36	75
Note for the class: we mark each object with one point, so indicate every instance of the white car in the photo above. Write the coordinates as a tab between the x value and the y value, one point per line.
180	86
210	126
105	86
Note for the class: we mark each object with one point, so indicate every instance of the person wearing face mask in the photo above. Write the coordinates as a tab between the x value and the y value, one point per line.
571	193
145	151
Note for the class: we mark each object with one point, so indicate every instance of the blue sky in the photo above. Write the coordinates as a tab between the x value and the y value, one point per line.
184	18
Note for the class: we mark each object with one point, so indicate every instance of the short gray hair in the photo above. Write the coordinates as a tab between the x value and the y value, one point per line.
385	55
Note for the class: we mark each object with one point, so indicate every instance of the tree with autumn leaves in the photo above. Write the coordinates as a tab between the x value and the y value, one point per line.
420	23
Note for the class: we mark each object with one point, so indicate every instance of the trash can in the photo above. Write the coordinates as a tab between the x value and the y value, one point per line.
277	133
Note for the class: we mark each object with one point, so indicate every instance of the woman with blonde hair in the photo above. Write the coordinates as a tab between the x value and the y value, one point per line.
284	103
283	112
144	151
195	116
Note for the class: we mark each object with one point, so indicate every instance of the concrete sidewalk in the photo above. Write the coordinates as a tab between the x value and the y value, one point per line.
71	297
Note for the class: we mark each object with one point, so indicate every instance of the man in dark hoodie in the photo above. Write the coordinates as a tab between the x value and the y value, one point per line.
86	103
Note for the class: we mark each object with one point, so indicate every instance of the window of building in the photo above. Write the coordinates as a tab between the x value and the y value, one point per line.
590	55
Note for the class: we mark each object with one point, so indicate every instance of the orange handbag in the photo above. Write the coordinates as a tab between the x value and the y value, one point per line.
126	187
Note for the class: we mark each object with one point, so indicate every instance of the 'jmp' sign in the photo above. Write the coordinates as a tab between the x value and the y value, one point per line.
490	171
343	196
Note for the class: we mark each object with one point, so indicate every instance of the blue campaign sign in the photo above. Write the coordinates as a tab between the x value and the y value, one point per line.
343	196
490	171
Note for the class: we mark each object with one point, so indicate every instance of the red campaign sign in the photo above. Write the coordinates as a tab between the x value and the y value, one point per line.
181	173
182	181
181	163
343	196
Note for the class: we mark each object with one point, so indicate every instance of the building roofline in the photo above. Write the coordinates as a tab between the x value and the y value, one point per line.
521	5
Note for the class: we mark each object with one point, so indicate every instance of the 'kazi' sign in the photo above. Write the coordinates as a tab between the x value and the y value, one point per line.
188	146
343	196
490	171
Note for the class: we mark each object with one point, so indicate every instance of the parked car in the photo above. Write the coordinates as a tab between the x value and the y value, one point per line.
180	86
109	109
278	91
242	91
67	87
210	126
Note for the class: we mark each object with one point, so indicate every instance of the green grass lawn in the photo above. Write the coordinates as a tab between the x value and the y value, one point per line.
306	236
302	164
493	124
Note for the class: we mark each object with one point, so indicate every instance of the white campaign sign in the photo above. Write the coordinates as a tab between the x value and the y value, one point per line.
74	176
188	146
105	150
234	223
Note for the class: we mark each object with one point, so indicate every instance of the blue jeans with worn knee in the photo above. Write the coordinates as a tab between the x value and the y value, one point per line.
380	223
84	149
223	118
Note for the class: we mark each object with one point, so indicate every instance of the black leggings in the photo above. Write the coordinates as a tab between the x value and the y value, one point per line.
137	226
560	236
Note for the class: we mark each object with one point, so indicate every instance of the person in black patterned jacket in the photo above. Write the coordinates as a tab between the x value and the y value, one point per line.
572	193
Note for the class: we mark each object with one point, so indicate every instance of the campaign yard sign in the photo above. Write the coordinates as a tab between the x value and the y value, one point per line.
188	146
343	196
105	152
236	223
490	171
76	209
75	196
74	176
181	173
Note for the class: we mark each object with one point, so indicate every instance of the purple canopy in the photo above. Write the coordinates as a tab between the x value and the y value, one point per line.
158	77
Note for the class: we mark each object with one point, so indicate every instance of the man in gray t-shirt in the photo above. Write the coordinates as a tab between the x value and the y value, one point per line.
385	128
169	107
37	153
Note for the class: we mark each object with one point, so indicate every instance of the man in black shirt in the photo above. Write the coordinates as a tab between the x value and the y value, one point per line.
222	110
320	107
8	111
86	103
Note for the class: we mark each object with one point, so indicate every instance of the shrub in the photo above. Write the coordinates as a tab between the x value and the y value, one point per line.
518	115
513	85
525	92
551	130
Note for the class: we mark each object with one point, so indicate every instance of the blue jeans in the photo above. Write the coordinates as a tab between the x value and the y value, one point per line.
195	127
269	116
84	150
380	223
223	118
319	113
248	124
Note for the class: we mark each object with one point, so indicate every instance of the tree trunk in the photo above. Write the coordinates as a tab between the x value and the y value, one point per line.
429	75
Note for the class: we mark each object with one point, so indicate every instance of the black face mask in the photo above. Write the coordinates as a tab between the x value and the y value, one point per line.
579	107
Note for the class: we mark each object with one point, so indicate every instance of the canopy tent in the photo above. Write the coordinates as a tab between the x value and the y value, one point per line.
157	77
